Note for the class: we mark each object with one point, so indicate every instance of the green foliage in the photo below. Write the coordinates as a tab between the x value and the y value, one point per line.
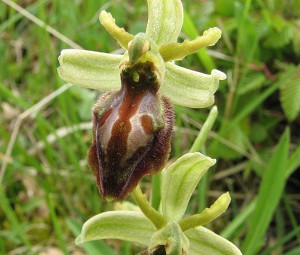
271	188
290	96
259	51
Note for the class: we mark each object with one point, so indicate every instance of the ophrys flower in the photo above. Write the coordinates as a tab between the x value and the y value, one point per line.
133	122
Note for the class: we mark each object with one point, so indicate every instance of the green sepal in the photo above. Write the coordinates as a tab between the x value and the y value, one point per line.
179	182
124	225
206	242
190	88
90	69
165	19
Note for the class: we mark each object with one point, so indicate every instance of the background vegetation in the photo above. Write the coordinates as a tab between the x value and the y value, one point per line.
47	190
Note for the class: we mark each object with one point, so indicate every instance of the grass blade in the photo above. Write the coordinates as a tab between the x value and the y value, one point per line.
271	188
295	251
55	221
12	219
243	113
294	163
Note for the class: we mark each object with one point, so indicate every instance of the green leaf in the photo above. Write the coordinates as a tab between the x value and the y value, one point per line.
294	251
280	34
270	191
180	180
165	18
190	88
296	36
125	225
293	163
206	242
290	97
90	69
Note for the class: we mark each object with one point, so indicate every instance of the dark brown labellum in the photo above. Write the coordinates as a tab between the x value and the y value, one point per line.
131	132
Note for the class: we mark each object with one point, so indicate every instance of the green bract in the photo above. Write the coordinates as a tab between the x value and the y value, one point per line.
180	181
167	229
184	87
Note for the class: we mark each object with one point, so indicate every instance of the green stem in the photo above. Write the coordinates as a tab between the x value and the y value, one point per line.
203	134
208	214
154	216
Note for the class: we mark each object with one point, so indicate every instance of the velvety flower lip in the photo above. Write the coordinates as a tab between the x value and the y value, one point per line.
182	86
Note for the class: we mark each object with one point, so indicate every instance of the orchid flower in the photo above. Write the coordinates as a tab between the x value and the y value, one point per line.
133	121
132	127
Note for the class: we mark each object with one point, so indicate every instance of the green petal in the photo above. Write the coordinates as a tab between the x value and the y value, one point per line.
208	214
177	51
90	69
165	19
206	242
124	225
179	182
190	88
122	37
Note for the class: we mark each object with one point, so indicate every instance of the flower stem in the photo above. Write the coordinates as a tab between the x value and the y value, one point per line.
154	216
208	214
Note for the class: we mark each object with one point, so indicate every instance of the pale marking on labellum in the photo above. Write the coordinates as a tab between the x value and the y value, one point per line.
137	137
106	129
